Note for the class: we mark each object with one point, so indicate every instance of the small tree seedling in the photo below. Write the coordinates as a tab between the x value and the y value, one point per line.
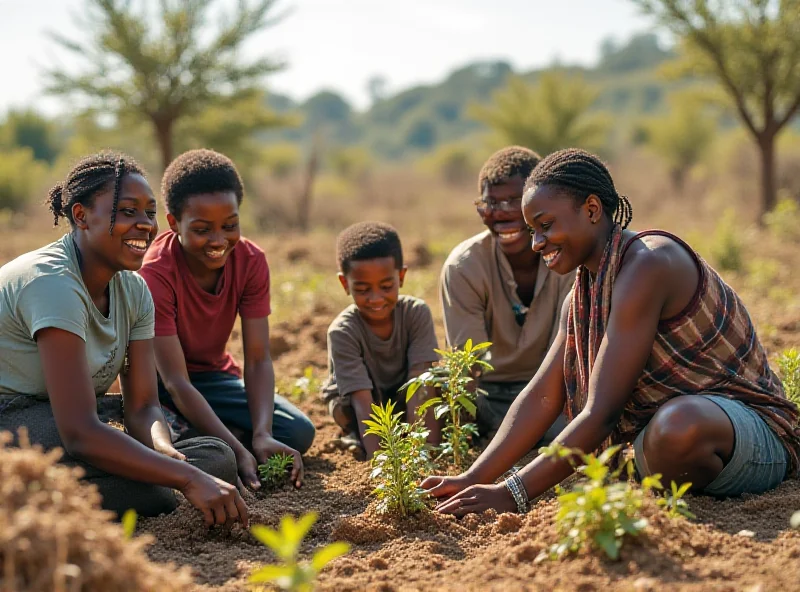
789	366
600	510
273	472
451	376
674	503
400	462
285	542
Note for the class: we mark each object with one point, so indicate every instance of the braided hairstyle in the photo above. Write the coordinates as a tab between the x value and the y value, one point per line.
583	174
91	175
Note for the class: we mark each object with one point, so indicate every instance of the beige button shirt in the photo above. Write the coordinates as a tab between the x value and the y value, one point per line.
476	306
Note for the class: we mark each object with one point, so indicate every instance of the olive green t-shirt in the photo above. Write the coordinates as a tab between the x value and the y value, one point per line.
44	289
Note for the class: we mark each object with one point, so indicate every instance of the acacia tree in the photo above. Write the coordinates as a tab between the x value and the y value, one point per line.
166	68
752	47
546	116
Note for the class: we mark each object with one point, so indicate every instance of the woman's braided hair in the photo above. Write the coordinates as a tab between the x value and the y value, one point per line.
583	174
86	179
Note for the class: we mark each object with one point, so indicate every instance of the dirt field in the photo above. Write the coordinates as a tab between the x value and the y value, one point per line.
485	552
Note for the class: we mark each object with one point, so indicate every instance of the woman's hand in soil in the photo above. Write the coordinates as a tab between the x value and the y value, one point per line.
219	501
445	487
248	468
265	446
478	498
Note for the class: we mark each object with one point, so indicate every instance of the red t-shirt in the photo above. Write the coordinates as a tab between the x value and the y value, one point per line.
203	322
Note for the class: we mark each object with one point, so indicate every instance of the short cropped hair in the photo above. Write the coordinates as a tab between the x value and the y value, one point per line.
196	172
368	240
506	163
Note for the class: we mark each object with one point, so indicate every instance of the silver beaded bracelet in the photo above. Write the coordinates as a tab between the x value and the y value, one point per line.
517	489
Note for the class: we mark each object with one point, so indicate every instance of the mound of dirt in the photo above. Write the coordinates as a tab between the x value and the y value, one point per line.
55	536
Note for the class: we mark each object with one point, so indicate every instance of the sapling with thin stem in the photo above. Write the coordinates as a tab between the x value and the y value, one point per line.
400	461
451	378
285	542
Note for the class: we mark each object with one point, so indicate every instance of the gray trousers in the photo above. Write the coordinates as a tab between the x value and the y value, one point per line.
210	455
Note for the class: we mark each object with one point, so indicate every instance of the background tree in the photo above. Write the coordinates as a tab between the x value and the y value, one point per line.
683	136
752	47
167	68
28	129
547	116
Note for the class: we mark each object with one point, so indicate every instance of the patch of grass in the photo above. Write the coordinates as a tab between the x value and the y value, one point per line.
299	389
291	574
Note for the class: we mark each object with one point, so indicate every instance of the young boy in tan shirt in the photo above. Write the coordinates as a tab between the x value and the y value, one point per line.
381	340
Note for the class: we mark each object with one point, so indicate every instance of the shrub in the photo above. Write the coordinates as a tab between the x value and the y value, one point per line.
20	178
285	543
784	220
400	462
727	248
451	377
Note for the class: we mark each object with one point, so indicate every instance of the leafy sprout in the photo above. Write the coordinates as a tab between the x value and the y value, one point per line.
400	462
451	377
273	472
291	574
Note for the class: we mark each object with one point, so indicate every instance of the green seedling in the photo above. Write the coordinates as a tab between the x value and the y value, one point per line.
674	503
600	509
273	472
451	378
400	462
129	523
789	366
285	543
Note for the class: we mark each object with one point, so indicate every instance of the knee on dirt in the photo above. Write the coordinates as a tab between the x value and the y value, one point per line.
677	434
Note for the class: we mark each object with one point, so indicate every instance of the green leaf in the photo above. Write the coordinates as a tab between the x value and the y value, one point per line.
608	543
468	345
413	388
440	411
467	404
129	523
481	346
327	554
678	492
268	536
429	403
270	573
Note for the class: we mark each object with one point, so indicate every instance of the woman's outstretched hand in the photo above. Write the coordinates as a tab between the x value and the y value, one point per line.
443	488
477	498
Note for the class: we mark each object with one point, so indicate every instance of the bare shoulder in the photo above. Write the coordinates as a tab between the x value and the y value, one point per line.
657	256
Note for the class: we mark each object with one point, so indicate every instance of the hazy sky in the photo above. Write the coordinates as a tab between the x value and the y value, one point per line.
340	44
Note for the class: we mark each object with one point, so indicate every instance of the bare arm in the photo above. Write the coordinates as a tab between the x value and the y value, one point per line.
362	409
85	437
193	406
433	425
259	382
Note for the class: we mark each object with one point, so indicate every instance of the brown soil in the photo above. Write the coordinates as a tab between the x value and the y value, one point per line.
487	552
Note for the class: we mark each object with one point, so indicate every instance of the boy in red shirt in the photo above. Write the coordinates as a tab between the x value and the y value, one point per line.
202	273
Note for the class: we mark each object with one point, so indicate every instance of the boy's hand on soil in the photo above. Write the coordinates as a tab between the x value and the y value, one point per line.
478	498
248	469
265	446
219	501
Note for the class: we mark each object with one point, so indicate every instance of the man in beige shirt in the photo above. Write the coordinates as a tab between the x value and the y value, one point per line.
493	287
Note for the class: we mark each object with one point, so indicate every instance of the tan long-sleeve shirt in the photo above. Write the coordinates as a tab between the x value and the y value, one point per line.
477	307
